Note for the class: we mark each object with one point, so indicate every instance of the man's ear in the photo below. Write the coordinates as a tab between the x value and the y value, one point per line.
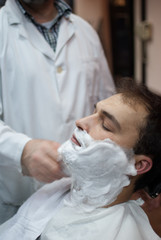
143	164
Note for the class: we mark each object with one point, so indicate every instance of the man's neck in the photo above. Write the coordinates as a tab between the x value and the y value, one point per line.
44	12
125	195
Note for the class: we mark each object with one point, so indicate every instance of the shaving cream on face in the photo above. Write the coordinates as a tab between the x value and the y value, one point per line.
99	170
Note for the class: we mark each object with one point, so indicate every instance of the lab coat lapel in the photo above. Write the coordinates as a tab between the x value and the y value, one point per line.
37	39
66	32
28	30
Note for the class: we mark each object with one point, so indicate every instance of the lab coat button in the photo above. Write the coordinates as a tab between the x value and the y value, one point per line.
59	69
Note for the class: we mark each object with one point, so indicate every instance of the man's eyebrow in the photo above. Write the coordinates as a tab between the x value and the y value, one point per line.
112	118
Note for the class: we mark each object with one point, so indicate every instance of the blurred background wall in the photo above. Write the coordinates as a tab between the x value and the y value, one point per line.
96	12
130	32
152	46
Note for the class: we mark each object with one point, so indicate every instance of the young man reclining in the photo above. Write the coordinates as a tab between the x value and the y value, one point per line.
112	153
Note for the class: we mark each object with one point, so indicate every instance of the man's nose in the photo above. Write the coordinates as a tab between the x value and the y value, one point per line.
83	124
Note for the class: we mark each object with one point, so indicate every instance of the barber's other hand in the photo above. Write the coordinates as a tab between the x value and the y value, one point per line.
39	160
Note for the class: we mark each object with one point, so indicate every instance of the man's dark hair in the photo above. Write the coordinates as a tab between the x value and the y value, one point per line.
149	142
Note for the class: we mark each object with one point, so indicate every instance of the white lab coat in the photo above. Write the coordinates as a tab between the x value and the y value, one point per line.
46	214
42	93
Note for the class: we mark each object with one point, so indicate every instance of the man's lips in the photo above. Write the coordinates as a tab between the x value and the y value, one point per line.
74	140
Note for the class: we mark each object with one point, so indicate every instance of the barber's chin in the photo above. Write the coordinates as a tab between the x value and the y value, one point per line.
38	2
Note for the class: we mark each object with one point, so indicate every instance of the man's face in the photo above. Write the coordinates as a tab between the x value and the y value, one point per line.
116	120
111	164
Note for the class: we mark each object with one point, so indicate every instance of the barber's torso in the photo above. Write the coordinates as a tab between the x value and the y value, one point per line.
43	92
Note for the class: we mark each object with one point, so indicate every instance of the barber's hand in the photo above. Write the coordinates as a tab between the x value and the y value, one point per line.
39	160
150	203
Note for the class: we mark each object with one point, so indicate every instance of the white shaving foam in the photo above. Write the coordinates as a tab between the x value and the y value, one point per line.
99	170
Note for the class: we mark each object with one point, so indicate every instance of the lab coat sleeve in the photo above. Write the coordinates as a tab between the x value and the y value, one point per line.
11	146
11	142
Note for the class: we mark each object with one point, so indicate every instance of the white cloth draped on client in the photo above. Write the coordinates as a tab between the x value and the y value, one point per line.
120	222
125	221
33	215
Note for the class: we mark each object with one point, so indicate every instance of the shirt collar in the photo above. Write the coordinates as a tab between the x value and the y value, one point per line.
62	7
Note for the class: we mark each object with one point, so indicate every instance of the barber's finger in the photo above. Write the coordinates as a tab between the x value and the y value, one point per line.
53	154
50	171
55	170
24	171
